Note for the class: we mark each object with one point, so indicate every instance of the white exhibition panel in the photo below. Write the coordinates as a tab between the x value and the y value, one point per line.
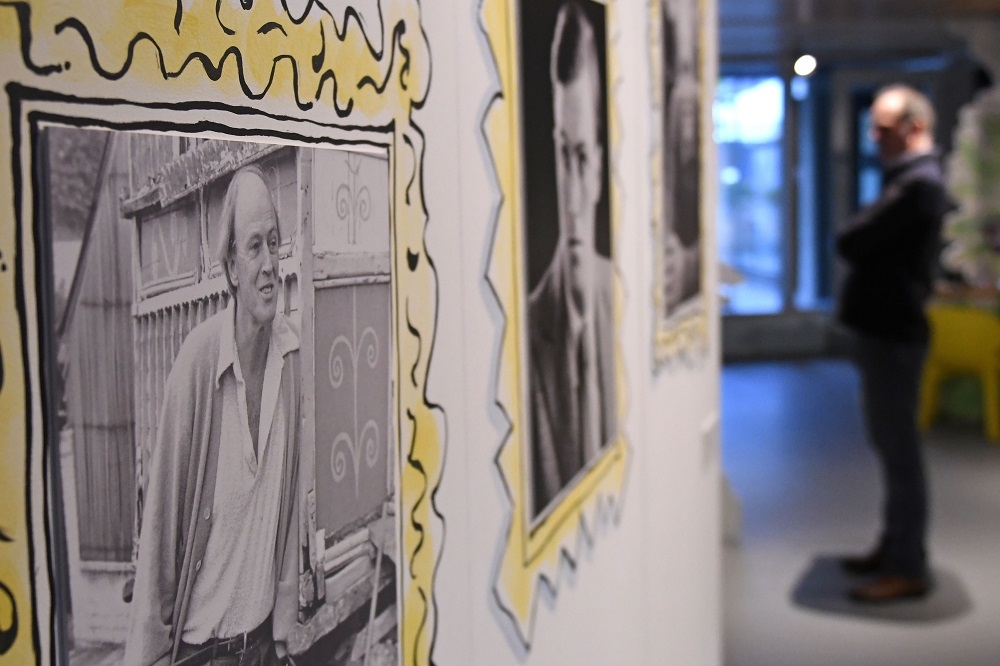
636	584
647	589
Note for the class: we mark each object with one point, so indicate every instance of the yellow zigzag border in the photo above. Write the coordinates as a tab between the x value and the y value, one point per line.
532	554
271	69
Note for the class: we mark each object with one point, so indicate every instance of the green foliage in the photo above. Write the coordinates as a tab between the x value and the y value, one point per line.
974	182
74	158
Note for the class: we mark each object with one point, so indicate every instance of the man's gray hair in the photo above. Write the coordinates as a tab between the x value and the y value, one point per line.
917	108
226	245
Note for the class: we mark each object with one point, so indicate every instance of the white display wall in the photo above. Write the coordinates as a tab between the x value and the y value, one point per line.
630	573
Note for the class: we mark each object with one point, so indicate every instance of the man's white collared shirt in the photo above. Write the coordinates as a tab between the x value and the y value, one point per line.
234	584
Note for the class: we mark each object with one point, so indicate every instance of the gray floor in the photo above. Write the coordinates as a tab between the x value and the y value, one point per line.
794	453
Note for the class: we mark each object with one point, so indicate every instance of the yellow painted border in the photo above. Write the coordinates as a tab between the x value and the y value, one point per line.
687	330
532	553
315	70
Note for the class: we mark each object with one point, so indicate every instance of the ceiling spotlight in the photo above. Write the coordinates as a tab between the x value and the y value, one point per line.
805	65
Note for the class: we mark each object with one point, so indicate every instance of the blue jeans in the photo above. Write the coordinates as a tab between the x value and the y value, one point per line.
890	384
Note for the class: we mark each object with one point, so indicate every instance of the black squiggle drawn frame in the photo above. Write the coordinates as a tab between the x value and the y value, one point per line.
600	493
20	95
213	70
415	75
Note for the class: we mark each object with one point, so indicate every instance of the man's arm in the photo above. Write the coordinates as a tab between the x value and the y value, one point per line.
545	463
900	212
286	597
150	637
682	269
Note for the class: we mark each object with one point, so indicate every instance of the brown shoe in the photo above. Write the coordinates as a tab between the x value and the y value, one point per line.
862	565
890	588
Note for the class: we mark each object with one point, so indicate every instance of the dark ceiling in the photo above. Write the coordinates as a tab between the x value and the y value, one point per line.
845	29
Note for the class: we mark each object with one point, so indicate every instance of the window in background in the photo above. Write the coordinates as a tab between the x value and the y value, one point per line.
869	172
813	251
749	120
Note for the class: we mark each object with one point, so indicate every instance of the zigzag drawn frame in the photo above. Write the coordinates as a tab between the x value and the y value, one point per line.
167	79
533	550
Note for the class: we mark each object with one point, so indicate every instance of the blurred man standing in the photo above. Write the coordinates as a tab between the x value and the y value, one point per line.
891	247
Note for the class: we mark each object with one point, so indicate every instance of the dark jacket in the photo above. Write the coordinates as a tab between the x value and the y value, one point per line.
892	247
557	457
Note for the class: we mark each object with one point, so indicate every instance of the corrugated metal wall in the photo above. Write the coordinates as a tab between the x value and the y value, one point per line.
99	390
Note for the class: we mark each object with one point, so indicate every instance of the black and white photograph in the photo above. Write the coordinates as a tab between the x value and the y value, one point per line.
681	166
221	408
567	231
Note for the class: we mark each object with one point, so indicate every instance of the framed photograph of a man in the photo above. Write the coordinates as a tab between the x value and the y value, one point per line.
554	136
202	200
222	311
567	240
679	309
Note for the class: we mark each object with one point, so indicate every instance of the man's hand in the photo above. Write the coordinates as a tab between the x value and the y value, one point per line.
382	533
680	270
281	651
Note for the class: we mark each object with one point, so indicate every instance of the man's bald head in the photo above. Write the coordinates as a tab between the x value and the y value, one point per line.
902	121
913	106
249	181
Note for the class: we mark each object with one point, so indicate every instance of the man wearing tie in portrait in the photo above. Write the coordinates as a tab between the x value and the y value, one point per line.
571	309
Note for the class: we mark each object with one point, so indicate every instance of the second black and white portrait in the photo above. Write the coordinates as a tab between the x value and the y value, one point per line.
567	230
680	94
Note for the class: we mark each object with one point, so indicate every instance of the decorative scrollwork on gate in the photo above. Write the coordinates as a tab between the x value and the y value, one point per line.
354	201
359	441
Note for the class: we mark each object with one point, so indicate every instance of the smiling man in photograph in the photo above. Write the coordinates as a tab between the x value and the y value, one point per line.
570	311
216	579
